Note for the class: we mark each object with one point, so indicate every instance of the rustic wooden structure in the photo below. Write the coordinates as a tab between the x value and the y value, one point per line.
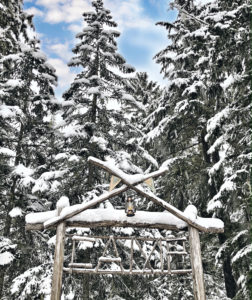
82	215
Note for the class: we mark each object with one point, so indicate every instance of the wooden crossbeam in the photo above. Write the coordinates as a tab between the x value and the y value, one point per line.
126	180
84	206
126	272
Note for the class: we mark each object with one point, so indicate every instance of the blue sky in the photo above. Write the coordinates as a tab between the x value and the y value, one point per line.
58	21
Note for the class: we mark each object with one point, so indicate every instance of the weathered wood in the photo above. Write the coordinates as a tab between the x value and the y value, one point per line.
102	198
80	265
84	224
110	259
126	271
173	210
141	238
58	260
168	257
196	262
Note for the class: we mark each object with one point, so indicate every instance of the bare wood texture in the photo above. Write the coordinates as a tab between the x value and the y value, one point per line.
81	265
126	272
81	207
196	262
40	226
110	254
141	238
58	261
152	197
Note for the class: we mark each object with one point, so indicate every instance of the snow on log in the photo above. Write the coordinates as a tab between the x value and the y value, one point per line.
101	217
111	217
128	179
76	209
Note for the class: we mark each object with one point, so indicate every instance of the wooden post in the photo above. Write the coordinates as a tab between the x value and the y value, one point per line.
196	262
59	253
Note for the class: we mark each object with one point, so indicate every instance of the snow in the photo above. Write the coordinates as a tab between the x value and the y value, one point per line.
34	218
213	204
62	202
35	87
7	151
16	212
9	111
215	121
22	171
142	217
94	90
242	252
14	83
191	212
61	156
210	222
39	55
26	181
100	142
228	82
108	214
82	80
6	258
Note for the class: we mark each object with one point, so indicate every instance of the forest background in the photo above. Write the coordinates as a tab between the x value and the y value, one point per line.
197	124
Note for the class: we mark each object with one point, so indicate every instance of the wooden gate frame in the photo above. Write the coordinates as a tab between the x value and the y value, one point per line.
194	223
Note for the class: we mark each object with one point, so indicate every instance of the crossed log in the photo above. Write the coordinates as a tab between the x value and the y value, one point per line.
129	182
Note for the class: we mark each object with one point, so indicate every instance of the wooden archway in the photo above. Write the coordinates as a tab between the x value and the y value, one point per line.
82	215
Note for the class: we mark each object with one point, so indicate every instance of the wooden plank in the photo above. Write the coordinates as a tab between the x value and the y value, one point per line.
196	262
102	198
81	265
117	223
127	272
58	262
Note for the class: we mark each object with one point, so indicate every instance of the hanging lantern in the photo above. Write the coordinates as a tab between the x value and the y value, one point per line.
130	207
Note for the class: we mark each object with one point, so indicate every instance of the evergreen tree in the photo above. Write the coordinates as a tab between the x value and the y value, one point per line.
26	105
94	123
201	124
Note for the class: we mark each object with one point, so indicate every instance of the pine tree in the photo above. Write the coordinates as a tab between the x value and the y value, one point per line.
94	123
201	124
26	106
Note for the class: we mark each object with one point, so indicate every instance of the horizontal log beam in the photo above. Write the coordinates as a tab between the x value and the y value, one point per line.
140	238
126	272
40	226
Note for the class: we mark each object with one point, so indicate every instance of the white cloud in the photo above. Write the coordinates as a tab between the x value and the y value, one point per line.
68	11
75	28
35	11
62	50
129	14
65	75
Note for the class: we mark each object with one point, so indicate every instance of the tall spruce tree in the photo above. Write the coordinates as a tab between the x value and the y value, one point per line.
94	123
26	106
204	120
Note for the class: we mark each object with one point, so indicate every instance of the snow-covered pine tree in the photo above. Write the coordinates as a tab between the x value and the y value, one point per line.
204	119
26	105
228	134
94	123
